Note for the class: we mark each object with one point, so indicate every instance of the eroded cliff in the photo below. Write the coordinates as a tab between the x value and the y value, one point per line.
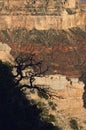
41	15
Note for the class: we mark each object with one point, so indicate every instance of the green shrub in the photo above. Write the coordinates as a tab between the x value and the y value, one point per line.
41	104
51	118
52	105
43	95
46	117
74	124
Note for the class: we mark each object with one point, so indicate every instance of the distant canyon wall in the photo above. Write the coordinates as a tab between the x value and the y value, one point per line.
64	21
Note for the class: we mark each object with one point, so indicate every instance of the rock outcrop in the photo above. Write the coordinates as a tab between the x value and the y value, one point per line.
67	91
66	94
5	53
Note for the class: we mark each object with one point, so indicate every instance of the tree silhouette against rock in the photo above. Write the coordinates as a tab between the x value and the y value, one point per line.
16	112
32	68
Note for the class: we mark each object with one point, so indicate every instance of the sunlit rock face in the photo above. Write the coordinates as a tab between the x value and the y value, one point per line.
5	53
68	95
68	91
40	14
40	3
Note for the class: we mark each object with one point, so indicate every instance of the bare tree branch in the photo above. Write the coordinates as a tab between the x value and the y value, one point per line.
23	62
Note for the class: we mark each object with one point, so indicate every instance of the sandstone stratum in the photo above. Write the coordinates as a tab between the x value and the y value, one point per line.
41	15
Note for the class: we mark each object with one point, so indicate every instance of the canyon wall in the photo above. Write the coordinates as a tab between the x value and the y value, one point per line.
42	22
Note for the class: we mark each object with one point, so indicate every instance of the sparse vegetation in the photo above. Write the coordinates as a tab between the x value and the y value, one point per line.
74	124
43	95
46	117
45	112
41	104
52	105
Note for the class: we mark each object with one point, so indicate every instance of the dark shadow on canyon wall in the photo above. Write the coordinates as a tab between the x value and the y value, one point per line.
16	112
84	97
83	79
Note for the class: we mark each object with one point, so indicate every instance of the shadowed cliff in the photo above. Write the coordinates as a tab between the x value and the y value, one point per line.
16	112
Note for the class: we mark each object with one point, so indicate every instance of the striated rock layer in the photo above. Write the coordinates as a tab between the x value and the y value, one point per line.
42	22
41	15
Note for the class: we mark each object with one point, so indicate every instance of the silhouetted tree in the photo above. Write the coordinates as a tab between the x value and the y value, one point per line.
27	67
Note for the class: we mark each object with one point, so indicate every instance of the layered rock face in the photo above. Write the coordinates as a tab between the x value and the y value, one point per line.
39	3
42	22
41	15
